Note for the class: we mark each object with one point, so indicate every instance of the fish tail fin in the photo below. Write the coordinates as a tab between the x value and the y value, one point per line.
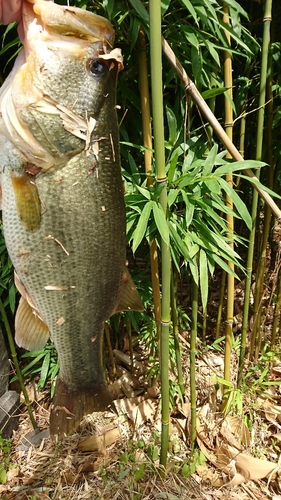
70	404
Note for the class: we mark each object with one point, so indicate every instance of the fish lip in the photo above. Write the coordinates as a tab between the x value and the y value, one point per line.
46	21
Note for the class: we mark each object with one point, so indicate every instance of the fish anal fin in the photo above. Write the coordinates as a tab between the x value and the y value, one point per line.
71	403
27	200
31	333
129	299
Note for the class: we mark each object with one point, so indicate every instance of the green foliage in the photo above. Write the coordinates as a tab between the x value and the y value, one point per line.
44	364
5	458
189	466
7	288
195	164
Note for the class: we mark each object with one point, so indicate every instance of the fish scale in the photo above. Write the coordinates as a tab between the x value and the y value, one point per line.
63	209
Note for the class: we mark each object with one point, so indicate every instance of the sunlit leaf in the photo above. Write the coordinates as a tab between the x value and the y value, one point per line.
142	225
239	204
204	278
161	221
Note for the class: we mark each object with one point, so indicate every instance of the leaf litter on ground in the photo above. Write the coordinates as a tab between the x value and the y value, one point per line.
117	457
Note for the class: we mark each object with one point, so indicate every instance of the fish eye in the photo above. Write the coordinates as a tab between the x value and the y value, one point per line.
97	67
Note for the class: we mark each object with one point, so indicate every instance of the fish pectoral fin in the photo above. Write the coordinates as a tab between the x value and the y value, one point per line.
71	403
129	299
27	201
31	332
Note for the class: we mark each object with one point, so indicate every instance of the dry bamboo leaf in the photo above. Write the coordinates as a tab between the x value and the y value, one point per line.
224	460
272	412
228	436
181	425
208	454
251	467
239	429
209	476
236	480
142	413
99	442
128	404
127	360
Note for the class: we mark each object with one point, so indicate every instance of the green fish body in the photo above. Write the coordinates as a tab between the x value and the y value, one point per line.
62	199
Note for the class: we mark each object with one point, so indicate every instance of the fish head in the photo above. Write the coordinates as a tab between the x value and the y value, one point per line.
61	81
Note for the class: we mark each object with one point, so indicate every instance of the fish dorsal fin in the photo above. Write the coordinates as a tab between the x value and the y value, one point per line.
129	299
31	331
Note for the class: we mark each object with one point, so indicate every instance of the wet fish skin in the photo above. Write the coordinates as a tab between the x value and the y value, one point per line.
64	215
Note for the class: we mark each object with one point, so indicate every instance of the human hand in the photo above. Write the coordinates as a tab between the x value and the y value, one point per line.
10	11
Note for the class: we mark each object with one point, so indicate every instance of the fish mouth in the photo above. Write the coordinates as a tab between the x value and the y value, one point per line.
48	28
46	21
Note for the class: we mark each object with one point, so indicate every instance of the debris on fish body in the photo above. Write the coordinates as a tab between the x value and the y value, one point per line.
62	198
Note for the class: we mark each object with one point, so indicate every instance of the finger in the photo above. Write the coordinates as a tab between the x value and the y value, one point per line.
10	11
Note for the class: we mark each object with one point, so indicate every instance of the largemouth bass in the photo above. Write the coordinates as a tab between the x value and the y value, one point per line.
62	198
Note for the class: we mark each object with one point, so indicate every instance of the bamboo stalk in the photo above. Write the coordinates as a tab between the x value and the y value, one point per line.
176	329
161	179
193	337
220	307
191	89
259	290
228	83
263	78
16	363
276	317
147	142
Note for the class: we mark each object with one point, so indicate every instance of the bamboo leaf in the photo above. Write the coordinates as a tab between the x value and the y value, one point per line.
258	183
238	165
172	125
160	221
208	94
179	243
144	191
224	265
189	210
172	196
191	9
141	226
194	270
44	370
210	160
204	278
141	10
239	204
213	186
172	166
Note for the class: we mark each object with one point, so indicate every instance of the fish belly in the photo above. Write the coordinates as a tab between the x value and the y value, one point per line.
72	268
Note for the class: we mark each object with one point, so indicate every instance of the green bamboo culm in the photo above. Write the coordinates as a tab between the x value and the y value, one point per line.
220	306
16	363
176	329
255	340
259	289
147	142
229	217
192	358
276	317
161	179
